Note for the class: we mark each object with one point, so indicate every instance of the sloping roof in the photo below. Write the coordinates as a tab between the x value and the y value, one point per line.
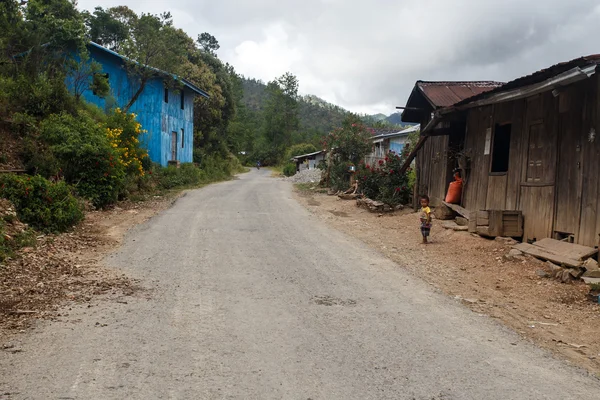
403	132
308	155
444	94
537	77
428	96
185	82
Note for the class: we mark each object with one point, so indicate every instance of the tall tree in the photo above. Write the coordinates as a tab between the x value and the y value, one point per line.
153	43
281	111
208	43
110	27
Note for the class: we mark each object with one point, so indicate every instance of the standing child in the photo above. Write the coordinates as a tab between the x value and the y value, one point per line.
425	218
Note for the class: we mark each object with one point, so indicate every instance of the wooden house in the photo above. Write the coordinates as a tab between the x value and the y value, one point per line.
433	166
531	145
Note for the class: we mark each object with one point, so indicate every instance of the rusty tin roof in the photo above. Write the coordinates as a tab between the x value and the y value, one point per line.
535	77
445	94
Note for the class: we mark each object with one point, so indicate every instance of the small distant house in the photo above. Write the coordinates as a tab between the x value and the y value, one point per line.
309	161
434	166
167	114
389	141
530	145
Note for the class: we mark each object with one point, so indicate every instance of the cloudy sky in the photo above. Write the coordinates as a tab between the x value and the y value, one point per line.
366	55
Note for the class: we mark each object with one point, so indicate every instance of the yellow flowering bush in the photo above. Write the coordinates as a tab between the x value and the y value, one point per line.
123	131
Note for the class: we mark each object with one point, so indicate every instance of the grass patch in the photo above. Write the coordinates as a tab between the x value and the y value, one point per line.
276	171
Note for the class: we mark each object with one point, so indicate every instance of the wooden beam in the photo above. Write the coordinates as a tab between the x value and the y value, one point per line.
411	108
419	144
539	252
460	210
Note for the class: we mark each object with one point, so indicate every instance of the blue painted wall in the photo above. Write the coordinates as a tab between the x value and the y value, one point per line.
159	118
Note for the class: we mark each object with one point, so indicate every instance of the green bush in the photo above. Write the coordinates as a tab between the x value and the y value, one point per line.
383	182
46	206
37	97
172	177
84	155
289	169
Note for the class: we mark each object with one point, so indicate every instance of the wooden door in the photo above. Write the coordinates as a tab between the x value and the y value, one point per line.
536	198
174	146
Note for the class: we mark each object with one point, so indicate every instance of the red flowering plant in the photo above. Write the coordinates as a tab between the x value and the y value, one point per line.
384	182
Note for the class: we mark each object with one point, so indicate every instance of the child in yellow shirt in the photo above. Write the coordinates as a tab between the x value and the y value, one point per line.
425	218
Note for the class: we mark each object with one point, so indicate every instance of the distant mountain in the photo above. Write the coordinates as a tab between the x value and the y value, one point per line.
315	114
393	120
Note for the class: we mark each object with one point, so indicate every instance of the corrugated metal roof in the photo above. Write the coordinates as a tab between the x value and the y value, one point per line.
445	94
403	132
316	153
536	77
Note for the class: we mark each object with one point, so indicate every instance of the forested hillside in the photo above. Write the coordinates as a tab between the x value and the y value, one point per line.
316	116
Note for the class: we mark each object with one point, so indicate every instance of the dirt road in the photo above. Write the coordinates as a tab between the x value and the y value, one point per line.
249	297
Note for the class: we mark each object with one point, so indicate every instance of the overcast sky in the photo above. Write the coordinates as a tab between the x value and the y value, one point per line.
366	55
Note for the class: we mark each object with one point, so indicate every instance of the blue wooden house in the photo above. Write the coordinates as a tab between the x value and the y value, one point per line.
167	114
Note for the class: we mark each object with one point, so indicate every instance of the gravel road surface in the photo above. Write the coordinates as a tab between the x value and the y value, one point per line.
249	297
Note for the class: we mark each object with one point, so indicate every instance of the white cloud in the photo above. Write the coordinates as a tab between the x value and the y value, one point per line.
366	55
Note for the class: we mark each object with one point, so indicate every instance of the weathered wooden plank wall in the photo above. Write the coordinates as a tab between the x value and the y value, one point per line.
554	163
589	227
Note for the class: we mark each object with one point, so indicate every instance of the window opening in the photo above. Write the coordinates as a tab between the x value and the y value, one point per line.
501	148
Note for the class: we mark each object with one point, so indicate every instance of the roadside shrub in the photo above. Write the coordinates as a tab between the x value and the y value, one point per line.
46	206
347	145
383	182
38	97
123	132
86	157
339	175
171	177
289	169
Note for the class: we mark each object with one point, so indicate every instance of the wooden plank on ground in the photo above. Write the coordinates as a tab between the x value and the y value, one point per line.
566	249
460	210
544	254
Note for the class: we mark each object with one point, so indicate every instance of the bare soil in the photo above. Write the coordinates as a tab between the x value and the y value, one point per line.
554	315
67	267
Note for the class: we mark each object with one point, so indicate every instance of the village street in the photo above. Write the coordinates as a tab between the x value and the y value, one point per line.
248	296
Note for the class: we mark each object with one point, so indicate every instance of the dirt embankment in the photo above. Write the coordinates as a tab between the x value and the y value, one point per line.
66	267
554	315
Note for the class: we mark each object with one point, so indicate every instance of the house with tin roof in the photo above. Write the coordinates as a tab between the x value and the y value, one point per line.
529	148
434	161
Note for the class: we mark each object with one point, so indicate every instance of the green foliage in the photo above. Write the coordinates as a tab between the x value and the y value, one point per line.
37	98
46	206
111	27
347	146
339	174
186	176
208	43
85	156
299	149
212	169
289	169
280	114
383	182
85	75
351	142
